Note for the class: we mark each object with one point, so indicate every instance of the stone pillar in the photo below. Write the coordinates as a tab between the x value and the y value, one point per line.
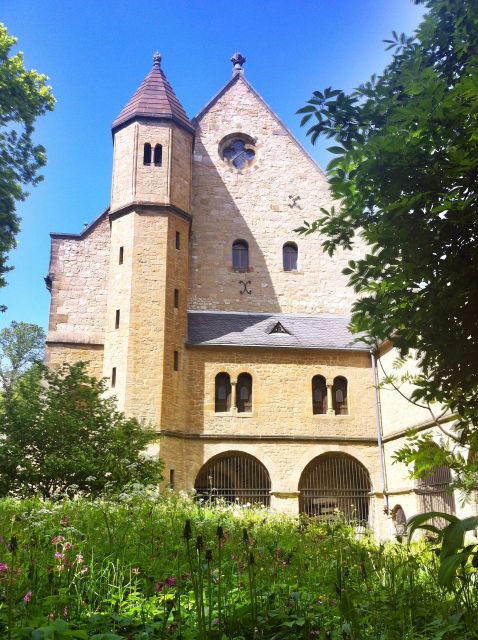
285	502
330	402
234	396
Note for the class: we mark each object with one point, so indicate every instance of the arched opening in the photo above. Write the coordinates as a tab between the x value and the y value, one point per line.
222	402
240	255
158	155
434	494
290	253
319	395
244	393
399	521
235	477
147	154
339	396
336	485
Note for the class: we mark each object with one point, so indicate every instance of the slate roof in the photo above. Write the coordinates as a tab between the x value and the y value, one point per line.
154	98
253	330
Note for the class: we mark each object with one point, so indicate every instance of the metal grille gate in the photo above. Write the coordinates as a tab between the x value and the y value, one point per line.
234	477
335	484
434	493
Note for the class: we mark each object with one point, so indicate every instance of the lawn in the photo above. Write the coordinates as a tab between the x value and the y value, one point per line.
144	567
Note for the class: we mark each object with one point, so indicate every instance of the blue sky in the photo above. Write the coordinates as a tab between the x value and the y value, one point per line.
96	53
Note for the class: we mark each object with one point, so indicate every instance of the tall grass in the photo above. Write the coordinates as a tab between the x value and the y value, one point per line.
145	567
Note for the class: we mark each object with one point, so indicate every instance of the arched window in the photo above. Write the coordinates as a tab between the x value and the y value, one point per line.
336	485
435	494
147	154
240	255
290	253
339	396
222	393
319	395
235	477
158	155
244	393
399	520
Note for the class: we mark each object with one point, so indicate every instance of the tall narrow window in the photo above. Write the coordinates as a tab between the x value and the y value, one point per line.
319	395
117	319
240	255
113	377
121	255
171	478
289	256
244	393
158	155
178	240
176	298
147	154
222	393
339	396
176	361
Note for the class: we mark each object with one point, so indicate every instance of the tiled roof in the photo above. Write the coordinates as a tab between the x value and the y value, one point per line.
154	98
254	330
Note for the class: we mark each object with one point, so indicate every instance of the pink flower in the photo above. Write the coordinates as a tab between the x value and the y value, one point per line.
79	558
57	539
27	597
67	546
59	556
84	569
3	567
215	621
159	586
170	582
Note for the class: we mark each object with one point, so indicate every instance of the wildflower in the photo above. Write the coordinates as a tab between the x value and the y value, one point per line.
215	621
158	587
84	569
59	556
27	597
67	546
135	570
57	539
3	567
170	582
79	558
65	521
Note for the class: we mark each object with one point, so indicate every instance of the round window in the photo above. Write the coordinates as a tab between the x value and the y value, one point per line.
238	151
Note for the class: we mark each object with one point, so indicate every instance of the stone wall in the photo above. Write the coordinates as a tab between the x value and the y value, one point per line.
78	270
58	353
261	205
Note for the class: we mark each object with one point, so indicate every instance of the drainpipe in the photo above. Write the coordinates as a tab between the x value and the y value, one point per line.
378	419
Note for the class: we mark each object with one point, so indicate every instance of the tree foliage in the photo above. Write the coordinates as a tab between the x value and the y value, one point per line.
405	175
24	95
59	434
21	344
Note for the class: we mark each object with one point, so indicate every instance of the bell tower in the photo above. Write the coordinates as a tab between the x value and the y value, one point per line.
147	284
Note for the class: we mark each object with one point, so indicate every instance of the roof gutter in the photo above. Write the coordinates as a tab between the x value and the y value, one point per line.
378	420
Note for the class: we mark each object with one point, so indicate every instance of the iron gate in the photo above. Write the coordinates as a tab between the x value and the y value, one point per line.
434	493
336	484
234	477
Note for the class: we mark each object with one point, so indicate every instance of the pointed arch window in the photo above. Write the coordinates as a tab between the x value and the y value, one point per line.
339	396
222	402
147	154
158	155
290	254
319	395
244	393
240	255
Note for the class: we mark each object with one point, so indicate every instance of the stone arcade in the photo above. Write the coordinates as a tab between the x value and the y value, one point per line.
221	327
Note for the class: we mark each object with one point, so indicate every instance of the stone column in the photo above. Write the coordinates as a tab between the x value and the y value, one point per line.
285	502
330	402
234	396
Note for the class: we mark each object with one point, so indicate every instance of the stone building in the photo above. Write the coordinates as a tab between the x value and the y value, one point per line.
222	328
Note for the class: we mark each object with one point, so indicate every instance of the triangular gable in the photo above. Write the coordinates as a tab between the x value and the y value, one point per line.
238	77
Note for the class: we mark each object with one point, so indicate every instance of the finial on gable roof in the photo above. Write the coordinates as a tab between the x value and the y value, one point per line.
237	60
157	58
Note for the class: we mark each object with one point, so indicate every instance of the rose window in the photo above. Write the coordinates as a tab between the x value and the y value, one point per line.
239	154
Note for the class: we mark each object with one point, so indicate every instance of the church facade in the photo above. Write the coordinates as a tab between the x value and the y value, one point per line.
222	328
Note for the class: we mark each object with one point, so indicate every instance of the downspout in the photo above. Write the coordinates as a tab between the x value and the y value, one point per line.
378	419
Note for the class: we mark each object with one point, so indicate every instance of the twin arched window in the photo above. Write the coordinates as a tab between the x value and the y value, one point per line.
290	254
339	395
223	393
240	255
148	154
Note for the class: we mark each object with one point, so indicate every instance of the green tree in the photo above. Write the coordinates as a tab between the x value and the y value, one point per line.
58	433
24	95
21	344
405	175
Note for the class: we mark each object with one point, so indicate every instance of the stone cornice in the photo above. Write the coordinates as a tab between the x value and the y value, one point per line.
149	208
228	437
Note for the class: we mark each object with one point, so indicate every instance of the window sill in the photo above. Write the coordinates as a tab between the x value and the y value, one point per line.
241	270
230	414
296	272
333	415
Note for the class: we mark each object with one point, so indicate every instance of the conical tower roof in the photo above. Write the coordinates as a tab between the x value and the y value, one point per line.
154	100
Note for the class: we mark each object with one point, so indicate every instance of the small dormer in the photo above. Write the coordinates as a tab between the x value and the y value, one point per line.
279	328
